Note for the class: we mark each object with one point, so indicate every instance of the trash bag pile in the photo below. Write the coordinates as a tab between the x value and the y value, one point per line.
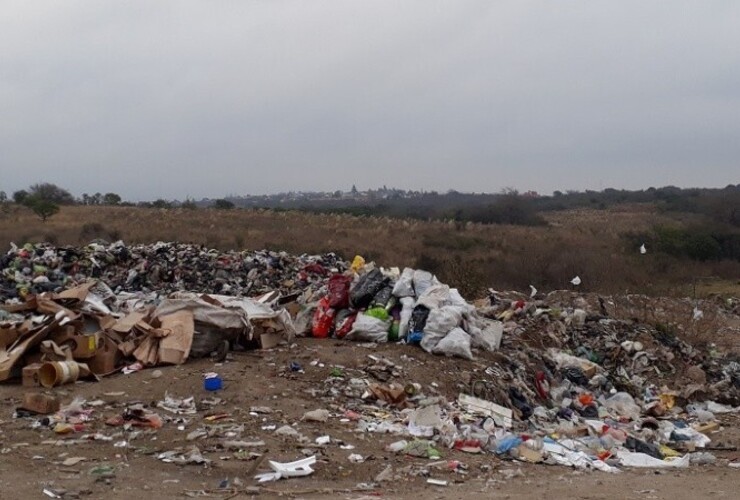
370	304
162	267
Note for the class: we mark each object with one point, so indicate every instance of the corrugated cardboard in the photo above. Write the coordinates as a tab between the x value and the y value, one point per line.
13	353
175	347
106	358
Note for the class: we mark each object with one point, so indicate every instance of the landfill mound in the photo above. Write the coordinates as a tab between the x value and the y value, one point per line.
546	379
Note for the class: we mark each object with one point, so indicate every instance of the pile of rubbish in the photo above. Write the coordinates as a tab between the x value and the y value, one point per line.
161	267
370	304
88	331
564	382
95	312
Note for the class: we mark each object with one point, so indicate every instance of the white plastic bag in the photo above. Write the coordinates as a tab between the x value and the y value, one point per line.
434	296
455	343
408	308
623	405
404	287
368	329
443	320
487	335
422	280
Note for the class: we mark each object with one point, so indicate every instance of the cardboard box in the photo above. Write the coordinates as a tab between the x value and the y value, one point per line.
40	403
31	375
106	358
82	346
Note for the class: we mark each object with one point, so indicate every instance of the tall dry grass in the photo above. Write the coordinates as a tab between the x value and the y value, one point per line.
470	256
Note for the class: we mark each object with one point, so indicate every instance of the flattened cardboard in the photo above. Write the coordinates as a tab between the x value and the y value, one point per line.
175	347
9	357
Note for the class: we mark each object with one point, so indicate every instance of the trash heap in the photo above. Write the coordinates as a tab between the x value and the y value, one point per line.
571	386
370	304
162	267
556	381
88	331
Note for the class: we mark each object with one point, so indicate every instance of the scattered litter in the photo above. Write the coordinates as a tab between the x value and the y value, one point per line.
299	468
316	416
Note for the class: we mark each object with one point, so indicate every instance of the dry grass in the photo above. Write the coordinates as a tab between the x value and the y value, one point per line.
473	257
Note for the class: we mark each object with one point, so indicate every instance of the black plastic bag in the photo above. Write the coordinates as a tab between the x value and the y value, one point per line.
363	292
418	319
382	298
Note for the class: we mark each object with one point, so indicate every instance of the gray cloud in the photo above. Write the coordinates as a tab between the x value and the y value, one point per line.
170	99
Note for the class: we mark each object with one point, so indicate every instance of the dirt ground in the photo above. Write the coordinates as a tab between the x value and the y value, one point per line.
32	459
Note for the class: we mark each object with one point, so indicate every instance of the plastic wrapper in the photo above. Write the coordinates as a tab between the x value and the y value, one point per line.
323	319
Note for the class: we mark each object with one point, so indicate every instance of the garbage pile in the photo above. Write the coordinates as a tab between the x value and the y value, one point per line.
370	304
87	331
161	267
562	381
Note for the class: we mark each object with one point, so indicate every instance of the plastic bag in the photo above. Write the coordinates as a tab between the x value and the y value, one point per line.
378	312
368	285
434	296
488	336
623	405
442	320
304	320
368	329
429	340
455	343
323	319
383	297
338	288
404	287
418	319
343	323
422	280
408	307
357	263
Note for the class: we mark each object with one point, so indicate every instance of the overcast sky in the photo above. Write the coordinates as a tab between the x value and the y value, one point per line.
204	99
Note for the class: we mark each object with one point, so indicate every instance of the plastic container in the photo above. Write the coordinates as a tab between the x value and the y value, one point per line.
213	384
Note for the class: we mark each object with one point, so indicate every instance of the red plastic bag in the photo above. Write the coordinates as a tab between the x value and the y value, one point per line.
345	320
339	291
323	319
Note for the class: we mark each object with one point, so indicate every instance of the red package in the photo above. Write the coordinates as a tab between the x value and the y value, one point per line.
323	319
345	320
338	286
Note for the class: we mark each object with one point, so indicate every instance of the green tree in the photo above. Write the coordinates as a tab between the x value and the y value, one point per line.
20	196
160	203
42	207
51	192
111	199
188	204
223	204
